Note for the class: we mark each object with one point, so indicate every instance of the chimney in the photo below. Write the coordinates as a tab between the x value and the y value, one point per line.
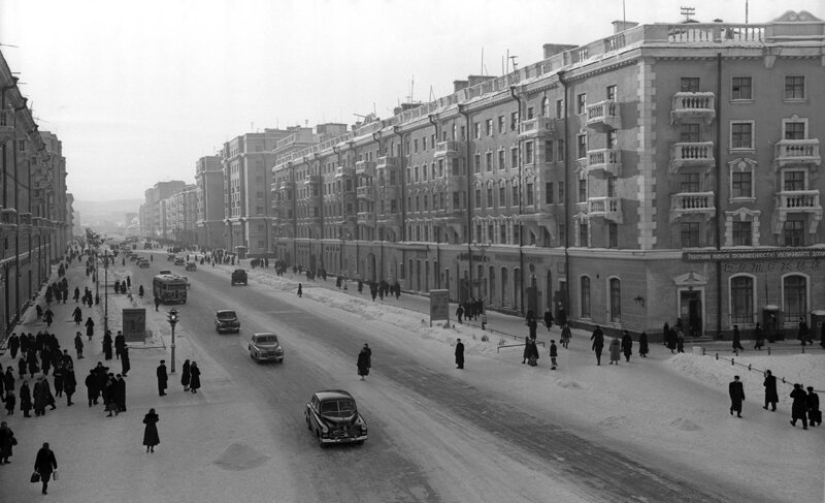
458	85
620	26
551	50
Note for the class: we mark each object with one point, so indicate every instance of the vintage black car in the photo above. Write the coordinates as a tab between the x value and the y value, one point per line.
334	419
239	277
227	321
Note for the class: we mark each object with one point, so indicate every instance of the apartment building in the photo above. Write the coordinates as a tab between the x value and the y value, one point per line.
665	173
210	215
153	212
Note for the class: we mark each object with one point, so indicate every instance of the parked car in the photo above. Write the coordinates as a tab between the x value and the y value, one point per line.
239	276
133	257
333	416
143	264
180	261
265	347
165	271
171	257
227	321
191	266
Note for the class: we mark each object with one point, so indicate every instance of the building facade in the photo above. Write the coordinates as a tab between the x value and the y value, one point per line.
210	206
666	173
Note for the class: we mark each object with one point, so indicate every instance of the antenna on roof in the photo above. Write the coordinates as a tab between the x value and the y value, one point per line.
482	60
515	65
687	12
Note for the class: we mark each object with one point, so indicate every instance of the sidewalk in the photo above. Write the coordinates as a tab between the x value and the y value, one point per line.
102	459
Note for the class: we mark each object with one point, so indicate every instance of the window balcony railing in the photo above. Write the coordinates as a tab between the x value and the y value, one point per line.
691	154
365	168
387	162
608	160
536	128
24	219
8	217
449	148
692	203
344	171
693	105
796	152
606	207
366	217
799	200
604	114
367	193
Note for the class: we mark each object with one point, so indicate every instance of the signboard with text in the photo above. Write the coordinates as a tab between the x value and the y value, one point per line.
439	305
134	325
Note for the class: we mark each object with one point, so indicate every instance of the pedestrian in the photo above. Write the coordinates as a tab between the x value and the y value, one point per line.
814	414
8	379
150	432
554	353
566	334
163	378
58	381
680	341
771	396
643	347
69	384
120	341
532	324
10	401
598	343
7	442
804	333
759	335
799	407
48	317
194	377
459	354
627	346
125	361
459	314
364	361
44	465
615	351
737	343
548	319
92	389
107	345
561	317
120	393
737	396
185	376
90	328
110	392
300	290
140	291
77	314
14	345
532	353
76	294
157	303
671	339
25	399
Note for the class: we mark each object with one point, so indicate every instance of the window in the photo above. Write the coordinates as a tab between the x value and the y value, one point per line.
488	158
584	235
559	109
488	126
415	145
548	193
490	201
478	198
741	135
741	185
795	297
477	163
548	151
690	234
794	232
502	197
793	180
528	152
690	84
476	130
615	300
514	157
583	191
500	123
502	231
584	283
741	300
515	200
424	143
582	146
742	233
612	138
612	235
545	107
611	92
456	201
689	133
689	182
581	103
561	192
513	121
560	151
416	173
501	160
794	130
529	113
529	190
794	88
741	88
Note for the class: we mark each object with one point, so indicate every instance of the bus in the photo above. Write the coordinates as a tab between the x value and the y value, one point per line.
170	289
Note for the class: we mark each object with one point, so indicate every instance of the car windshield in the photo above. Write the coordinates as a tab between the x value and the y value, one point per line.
338	408
267	339
226	315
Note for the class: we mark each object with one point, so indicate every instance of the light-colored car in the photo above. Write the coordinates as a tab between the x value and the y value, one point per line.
265	347
191	266
334	419
143	264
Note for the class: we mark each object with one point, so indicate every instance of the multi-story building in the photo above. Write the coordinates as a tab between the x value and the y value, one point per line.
210	202
666	173
180	209
153	222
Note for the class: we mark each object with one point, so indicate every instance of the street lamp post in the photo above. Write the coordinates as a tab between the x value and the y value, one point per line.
172	317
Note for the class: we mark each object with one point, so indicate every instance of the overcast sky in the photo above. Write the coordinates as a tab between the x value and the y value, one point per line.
139	90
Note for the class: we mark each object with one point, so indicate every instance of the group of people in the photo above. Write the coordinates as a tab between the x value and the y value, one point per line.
190	377
804	408
618	347
469	310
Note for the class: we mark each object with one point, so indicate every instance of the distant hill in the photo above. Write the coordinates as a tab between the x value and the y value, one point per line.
95	213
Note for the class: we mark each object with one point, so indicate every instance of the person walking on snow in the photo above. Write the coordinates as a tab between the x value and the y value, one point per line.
459	314
459	354
627	346
78	316
185	376
163	378
598	343
300	290
554	353
643	347
737	342
771	396
150	432
364	361
90	328
814	414
565	336
615	351
194	377
799	406
45	464
737	395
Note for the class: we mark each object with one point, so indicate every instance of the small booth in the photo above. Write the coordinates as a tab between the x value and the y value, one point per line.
772	321
817	324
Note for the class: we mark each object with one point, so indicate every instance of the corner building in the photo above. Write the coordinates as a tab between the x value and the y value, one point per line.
666	173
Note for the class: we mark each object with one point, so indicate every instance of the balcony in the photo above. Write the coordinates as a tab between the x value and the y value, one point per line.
604	115
693	106
799	201
797	152
8	218
387	162
393	219
365	168
24	219
344	172
536	128
366	193
609	208
691	154
607	160
692	203
449	148
366	218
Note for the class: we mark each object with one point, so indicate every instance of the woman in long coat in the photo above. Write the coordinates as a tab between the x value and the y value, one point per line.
627	346
615	351
107	346
363	363
194	377
185	376
771	395
6	442
90	327
25	399
78	316
643	348
150	433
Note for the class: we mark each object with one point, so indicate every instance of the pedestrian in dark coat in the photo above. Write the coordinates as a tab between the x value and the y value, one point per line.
532	353
459	354
110	393
598	343
185	376
799	407
737	395
615	351
194	377
561	318
671	340
459	314
45	464
7	442
92	388
643	347
737	343
69	384
120	393
14	345
150	432
8	378
548	319
759	335
107	346
771	396
78	316
814	414
76	294
90	327
300	290
25	399
554	353
48	317
140	291
120	341
804	333
58	381
566	335
157	303
364	362
125	361
627	346
10	401
163	378
680	341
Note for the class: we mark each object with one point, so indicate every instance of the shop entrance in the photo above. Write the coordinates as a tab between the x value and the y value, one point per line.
690	312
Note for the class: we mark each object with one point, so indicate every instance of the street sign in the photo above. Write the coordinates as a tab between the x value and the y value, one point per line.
439	305
134	325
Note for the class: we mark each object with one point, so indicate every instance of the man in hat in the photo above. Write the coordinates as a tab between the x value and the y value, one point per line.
737	396
163	378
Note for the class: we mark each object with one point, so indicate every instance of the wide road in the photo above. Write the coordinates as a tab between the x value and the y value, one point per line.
433	437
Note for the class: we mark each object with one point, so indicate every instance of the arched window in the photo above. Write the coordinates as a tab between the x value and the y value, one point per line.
794	297
615	286
585	296
741	300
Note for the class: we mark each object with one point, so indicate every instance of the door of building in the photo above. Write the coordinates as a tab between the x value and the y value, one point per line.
691	312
